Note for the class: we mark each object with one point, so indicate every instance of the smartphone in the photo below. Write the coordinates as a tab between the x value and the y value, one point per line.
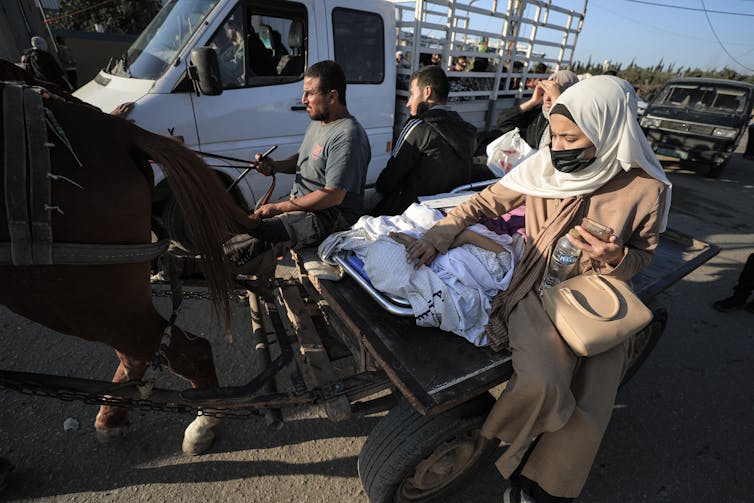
602	232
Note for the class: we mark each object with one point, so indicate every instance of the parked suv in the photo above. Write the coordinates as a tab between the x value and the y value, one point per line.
699	120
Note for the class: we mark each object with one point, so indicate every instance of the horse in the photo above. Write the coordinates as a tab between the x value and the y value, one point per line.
101	194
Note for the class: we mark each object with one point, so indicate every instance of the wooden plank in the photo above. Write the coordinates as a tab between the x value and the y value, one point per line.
317	365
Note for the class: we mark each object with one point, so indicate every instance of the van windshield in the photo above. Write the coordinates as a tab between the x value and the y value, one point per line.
158	45
704	98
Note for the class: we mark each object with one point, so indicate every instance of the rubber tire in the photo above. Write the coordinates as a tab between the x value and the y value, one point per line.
648	339
175	225
403	438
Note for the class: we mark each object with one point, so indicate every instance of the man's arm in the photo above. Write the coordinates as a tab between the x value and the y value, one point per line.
320	199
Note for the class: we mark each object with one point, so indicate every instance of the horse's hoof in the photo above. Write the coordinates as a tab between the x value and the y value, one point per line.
198	437
107	435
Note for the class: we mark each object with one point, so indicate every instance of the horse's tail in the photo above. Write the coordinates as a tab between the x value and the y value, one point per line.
210	213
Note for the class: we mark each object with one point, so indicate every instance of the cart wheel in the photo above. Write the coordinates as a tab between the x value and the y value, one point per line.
641	344
413	458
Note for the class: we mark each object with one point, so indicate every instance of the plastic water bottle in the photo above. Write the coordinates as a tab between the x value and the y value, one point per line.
562	261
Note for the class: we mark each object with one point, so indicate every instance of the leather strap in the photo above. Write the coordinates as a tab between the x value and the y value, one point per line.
96	254
39	171
14	132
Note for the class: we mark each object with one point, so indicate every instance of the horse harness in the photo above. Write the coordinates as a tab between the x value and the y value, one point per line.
24	152
25	157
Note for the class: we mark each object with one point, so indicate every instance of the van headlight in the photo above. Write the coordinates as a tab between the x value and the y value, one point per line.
724	132
650	122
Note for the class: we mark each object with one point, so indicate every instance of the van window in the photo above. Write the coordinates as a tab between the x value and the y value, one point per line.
229	45
704	98
159	44
262	45
359	42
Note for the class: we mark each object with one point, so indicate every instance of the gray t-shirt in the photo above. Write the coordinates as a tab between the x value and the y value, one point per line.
334	155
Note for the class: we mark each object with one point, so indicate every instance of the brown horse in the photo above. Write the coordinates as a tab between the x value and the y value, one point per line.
107	200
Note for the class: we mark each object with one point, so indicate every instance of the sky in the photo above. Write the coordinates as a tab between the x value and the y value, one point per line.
623	30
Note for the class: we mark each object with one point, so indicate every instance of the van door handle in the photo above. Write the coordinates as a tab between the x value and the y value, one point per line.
298	108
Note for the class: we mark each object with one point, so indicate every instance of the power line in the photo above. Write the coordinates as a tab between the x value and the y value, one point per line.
663	29
69	14
656	4
719	42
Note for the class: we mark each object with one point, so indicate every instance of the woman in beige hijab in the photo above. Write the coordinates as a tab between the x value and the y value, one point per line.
599	165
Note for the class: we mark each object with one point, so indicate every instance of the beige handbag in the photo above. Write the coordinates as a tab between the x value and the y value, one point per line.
594	313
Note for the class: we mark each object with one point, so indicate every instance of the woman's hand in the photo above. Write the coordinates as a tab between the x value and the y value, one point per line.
610	251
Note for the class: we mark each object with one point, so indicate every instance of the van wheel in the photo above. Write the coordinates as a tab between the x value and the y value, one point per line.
413	458
642	343
175	225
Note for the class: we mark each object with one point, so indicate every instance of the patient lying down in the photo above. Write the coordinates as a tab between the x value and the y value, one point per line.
455	292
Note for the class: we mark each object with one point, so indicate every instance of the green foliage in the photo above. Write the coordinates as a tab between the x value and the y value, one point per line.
648	81
116	16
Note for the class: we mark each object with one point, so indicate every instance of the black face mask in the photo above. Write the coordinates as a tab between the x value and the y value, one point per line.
568	161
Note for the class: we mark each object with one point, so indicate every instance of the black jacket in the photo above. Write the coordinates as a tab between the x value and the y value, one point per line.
531	123
432	155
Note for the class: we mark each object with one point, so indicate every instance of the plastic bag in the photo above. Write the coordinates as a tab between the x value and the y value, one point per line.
507	151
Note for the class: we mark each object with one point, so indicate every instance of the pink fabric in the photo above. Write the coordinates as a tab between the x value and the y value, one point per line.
508	223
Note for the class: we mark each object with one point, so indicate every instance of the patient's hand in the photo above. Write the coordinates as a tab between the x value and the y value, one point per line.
403	238
419	251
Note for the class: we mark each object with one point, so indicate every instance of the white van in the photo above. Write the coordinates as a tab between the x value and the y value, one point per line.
276	40
260	105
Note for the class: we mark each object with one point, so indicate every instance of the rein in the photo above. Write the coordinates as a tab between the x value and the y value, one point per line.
267	195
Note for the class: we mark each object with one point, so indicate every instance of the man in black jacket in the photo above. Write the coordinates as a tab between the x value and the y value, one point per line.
432	154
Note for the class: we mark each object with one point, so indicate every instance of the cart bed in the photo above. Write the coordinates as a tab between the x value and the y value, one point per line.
436	370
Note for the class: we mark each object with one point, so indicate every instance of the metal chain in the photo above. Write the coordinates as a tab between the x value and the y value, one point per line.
145	405
34	389
238	295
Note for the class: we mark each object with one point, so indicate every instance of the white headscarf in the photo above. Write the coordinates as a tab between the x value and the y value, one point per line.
604	108
39	43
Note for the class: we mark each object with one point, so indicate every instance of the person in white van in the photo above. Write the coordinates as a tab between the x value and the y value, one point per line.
330	168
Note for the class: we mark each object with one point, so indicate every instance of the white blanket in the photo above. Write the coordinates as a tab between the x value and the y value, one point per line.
454	293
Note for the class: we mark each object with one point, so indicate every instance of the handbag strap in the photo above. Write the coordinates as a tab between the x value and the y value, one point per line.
602	283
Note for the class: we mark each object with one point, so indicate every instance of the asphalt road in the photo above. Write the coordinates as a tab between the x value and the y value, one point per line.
682	430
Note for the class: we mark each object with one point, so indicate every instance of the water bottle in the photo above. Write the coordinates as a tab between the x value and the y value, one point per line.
562	261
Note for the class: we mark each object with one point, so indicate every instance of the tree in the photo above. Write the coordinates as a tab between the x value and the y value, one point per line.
116	16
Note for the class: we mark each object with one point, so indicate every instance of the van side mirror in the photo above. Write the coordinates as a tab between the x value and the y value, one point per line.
204	71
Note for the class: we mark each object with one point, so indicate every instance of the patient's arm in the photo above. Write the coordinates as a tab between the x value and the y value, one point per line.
466	236
471	237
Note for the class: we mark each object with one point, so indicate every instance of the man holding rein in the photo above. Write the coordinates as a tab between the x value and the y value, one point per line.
330	169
